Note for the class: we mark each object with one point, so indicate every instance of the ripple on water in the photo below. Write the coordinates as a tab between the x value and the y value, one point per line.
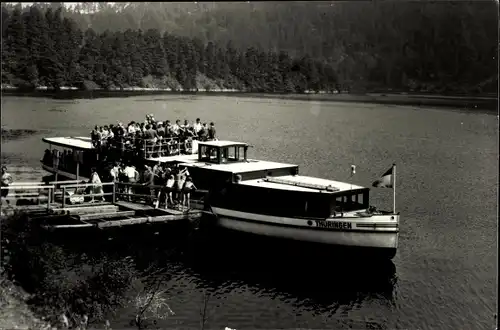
16	134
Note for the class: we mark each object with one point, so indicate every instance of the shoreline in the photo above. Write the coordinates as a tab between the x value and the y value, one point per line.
487	102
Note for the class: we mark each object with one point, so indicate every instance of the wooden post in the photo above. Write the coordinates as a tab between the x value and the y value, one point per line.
114	192
49	197
394	188
64	197
77	170
54	190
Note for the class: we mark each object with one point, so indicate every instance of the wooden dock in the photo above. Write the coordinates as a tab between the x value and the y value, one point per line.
56	214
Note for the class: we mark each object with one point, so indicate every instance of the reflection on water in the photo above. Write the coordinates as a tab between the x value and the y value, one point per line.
448	167
315	274
301	279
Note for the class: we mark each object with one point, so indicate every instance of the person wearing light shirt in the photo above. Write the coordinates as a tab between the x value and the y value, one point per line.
176	127
130	173
131	128
197	126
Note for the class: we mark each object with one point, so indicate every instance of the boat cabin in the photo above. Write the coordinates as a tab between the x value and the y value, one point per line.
222	152
66	155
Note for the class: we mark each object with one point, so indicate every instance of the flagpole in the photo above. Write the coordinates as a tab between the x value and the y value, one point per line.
394	188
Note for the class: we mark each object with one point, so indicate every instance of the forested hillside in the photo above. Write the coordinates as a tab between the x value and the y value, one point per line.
262	46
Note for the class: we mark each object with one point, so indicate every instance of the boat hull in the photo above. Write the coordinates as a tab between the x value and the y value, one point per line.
363	233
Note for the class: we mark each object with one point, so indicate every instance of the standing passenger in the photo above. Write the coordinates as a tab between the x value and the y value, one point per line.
149	182
197	126
180	178
203	134
131	178
169	188
212	132
186	192
95	180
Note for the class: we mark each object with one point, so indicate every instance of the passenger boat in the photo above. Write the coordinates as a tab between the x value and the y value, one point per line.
272	199
263	197
73	157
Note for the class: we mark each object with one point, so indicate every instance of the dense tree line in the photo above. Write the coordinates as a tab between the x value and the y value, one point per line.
42	47
432	46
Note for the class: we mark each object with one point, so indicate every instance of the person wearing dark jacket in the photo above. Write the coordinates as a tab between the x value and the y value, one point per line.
148	180
212	132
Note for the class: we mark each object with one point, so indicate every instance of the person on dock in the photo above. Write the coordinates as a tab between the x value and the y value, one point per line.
96	182
186	192
169	188
180	178
6	181
148	178
114	172
131	175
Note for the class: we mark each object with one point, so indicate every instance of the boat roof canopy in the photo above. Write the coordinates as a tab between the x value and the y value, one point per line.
72	142
304	183
240	167
223	143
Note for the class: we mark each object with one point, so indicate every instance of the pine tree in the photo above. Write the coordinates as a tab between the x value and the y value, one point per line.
16	44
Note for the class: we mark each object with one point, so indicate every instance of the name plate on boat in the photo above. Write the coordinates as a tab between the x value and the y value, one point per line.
334	224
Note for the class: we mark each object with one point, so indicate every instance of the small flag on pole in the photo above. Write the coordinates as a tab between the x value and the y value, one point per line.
386	180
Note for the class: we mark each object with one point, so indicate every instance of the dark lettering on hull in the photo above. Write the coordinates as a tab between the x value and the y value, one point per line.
334	224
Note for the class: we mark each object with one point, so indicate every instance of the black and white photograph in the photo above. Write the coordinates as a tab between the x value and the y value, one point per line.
249	165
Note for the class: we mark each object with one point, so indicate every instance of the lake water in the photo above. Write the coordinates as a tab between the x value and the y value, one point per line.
444	274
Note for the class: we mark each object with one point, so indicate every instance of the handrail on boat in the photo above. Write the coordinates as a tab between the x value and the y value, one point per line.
169	146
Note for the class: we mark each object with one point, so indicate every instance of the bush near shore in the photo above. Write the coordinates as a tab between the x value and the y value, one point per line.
42	284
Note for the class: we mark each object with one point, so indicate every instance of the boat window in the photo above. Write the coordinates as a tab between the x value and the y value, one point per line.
231	154
207	153
351	202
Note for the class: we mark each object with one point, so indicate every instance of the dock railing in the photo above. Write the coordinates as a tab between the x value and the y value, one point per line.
30	190
57	192
79	186
135	191
128	190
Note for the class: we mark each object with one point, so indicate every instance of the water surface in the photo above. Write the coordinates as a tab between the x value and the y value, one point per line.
444	275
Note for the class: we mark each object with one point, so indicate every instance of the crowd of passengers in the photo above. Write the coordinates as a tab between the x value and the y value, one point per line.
157	138
160	184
